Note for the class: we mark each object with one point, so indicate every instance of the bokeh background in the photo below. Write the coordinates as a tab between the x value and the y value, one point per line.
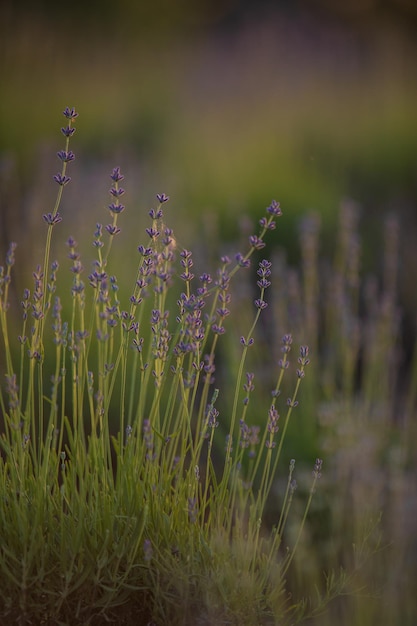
222	105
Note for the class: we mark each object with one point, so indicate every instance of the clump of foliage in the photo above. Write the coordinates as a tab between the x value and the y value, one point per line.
121	498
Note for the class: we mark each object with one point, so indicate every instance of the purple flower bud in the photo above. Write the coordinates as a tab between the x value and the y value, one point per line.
70	114
76	268
263	283
317	468
156	215
162	198
248	343
292	403
61	180
206	278
116	193
68	131
264	223
264	268
152	232
274	208
116	208
256	242
261	304
241	261
65	156
145	251
52	220
224	298
116	175
78	288
73	255
112	230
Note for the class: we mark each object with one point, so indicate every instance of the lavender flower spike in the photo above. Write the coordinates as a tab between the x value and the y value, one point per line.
317	468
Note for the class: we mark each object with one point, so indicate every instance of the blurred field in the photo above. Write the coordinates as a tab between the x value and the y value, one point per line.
291	103
221	107
223	111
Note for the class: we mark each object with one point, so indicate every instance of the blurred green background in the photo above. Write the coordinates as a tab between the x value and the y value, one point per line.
221	104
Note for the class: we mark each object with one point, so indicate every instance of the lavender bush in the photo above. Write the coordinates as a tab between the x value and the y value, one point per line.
126	493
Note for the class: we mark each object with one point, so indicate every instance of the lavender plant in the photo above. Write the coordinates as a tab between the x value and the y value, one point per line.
115	503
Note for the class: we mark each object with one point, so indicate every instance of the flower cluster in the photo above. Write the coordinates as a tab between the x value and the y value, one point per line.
272	426
186	264
161	334
77	267
192	330
264	272
142	419
248	386
115	207
317	468
161	249
273	210
273	417
249	437
303	360
285	349
65	156
223	284
212	416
